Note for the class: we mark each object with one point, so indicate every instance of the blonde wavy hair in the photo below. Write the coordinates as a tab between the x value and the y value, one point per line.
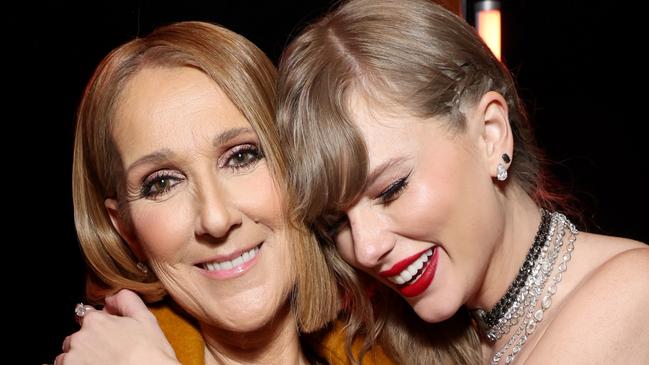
248	78
411	53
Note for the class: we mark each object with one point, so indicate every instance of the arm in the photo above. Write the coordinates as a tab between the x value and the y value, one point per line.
124	332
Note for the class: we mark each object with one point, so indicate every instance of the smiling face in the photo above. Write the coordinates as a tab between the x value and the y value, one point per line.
424	223
202	205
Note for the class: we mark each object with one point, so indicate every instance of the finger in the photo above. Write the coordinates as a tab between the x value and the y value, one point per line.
66	344
80	311
59	359
127	304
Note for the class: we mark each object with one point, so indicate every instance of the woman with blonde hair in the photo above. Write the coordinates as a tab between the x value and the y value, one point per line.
178	182
412	158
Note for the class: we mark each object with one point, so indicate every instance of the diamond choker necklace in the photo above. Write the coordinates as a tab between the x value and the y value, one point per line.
523	305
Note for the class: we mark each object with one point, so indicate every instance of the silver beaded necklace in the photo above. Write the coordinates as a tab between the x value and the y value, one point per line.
520	307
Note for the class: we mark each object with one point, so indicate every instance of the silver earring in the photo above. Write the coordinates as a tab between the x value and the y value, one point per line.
142	267
501	170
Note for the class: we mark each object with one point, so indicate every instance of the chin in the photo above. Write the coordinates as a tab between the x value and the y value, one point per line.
434	310
250	312
247	324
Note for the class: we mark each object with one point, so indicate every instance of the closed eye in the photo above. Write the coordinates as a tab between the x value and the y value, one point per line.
394	190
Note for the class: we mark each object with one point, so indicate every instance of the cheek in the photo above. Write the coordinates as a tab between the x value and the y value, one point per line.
426	206
162	228
258	197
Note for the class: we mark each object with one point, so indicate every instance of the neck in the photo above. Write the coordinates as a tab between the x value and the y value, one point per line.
515	319
277	342
521	221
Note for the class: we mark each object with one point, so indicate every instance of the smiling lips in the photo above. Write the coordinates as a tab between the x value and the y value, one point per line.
222	268
413	274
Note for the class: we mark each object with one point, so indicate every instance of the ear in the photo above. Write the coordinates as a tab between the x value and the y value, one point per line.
495	131
123	228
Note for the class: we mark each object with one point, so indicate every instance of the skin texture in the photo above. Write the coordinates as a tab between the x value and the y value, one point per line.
141	340
482	229
199	190
447	170
211	209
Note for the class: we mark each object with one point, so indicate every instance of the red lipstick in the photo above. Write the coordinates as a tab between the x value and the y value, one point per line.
401	265
423	282
418	286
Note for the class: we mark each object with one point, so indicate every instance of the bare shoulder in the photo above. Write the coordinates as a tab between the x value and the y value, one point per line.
625	273
620	254
605	317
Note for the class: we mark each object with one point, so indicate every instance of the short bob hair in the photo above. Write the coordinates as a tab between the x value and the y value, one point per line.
248	78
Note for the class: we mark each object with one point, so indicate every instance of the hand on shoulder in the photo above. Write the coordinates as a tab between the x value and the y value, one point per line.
124	332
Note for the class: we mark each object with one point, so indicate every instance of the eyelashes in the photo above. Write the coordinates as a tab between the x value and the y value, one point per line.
159	183
332	224
241	156
237	159
394	190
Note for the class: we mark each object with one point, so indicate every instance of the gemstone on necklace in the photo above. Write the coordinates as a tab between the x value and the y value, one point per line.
547	302
524	304
530	327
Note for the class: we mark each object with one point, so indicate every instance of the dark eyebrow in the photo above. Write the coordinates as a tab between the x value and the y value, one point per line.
381	168
230	134
153	158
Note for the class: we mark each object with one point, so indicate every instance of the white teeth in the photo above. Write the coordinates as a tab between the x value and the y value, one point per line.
411	271
406	276
229	264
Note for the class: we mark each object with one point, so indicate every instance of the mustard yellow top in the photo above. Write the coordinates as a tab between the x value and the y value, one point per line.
188	343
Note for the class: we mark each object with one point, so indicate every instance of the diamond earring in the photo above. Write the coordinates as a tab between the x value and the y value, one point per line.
501	170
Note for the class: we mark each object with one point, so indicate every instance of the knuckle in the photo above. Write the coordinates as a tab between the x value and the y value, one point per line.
76	338
91	318
122	294
66	344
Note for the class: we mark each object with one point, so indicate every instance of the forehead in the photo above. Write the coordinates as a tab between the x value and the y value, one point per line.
387	129
172	108
393	132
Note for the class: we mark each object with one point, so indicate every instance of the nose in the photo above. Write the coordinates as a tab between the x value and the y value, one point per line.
371	237
217	213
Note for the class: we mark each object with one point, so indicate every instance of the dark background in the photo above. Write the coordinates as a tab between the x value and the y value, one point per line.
577	64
